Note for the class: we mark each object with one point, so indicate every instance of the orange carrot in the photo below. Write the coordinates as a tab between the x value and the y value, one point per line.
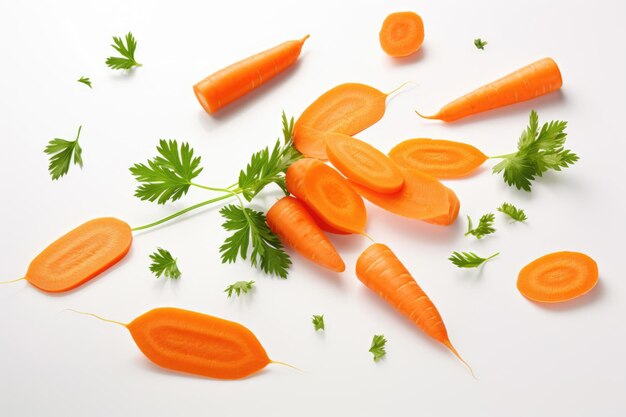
539	78
421	196
402	34
228	84
439	158
453	211
558	276
291	221
363	163
381	271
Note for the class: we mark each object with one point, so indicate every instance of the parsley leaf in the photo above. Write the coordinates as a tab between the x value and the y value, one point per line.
62	151
479	43
127	51
85	80
250	228
378	347
168	176
469	259
239	287
513	212
318	322
164	264
485	226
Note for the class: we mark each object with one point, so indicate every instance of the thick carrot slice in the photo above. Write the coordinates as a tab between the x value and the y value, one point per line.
453	211
436	157
363	163
228	84
292	222
558	276
421	196
532	81
402	34
348	109
80	255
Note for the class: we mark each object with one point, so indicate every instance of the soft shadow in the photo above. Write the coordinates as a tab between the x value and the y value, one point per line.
121	75
331	277
596	294
408	60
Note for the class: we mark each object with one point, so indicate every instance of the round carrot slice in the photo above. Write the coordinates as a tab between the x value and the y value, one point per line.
558	276
363	163
439	158
402	34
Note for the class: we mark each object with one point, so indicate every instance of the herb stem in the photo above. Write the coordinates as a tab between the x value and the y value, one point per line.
221	190
503	156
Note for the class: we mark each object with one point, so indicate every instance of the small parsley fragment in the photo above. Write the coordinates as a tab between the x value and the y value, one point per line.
469	259
318	322
378	347
485	226
85	80
480	44
513	212
61	153
127	51
239	287
164	264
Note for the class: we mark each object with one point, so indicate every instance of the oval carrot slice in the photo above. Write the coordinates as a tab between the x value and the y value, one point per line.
363	164
436	157
421	196
558	276
402	34
80	255
453	211
295	226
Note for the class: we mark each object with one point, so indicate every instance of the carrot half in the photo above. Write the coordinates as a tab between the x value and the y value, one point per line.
436	157
381	271
454	205
230	83
362	163
402	34
295	226
557	277
532	81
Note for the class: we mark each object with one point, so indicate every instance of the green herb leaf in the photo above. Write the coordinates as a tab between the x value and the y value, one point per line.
239	287
485	226
164	264
469	259
251	229
513	212
318	322
127	51
479	43
378	347
62	152
168	176
85	80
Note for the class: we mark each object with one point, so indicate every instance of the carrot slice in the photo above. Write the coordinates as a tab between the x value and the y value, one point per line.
421	196
558	276
363	163
402	34
80	255
453	211
292	222
436	157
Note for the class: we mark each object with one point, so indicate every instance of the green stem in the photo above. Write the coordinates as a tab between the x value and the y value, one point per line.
503	156
492	256
221	190
78	134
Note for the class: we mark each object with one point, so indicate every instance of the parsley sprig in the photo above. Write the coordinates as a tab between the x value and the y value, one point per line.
238	288
377	347
127	61
85	80
61	153
469	259
164	264
513	212
484	227
318	322
480	44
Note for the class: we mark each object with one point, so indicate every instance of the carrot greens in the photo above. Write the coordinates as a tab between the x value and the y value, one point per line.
164	264
513	212
85	80
480	44
484	227
238	288
469	259
127	61
378	347
61	153
318	322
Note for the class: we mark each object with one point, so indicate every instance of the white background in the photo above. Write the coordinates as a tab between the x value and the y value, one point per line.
531	359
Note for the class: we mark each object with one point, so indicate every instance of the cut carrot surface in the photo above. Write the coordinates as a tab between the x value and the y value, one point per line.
293	223
402	34
363	164
532	81
80	255
558	276
436	157
230	83
453	211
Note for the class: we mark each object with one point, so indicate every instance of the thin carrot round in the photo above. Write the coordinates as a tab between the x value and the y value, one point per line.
453	211
439	158
557	277
402	34
532	81
230	83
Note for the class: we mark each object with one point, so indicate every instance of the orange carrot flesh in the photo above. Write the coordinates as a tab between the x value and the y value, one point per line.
532	81
198	344
230	83
292	222
80	255
557	277
453	211
421	196
402	34
439	158
363	164
348	108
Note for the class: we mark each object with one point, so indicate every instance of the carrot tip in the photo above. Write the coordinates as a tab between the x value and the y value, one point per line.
398	88
305	38
286	364
12	280
433	117
96	316
453	350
